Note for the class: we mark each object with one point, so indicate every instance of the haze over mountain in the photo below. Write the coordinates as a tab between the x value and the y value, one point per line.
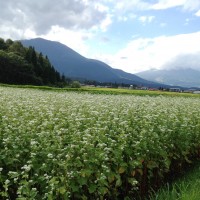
185	77
74	65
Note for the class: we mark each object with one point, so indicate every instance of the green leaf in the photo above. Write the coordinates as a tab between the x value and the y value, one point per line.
111	178
118	182
62	190
121	170
92	188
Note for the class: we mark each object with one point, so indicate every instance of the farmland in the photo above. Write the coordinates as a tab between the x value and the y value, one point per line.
82	145
114	91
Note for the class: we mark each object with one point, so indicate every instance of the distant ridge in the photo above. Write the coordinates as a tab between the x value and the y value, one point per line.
74	65
180	77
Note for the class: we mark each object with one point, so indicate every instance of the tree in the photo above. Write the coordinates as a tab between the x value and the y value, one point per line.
21	65
9	42
17	48
2	44
75	84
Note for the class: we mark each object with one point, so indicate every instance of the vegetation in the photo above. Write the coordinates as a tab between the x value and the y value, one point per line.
20	65
113	91
185	188
72	145
107	84
75	84
116	91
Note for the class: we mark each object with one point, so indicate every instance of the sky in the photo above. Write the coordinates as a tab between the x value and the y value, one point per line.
132	35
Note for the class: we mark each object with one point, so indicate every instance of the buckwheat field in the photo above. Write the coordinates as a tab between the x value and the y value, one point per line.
70	145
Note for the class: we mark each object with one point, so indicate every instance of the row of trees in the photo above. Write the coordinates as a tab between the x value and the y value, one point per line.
21	65
109	84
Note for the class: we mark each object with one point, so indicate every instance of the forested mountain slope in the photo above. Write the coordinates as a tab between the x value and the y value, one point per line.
21	65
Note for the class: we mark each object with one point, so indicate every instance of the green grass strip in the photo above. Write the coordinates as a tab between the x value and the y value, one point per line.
185	188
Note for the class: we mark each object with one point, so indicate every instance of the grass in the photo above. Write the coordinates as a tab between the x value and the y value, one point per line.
185	188
138	92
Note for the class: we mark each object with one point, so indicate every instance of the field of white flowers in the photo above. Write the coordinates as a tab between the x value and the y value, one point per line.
68	145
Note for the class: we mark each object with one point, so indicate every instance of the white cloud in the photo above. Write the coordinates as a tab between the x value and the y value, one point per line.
105	23
101	7
184	61
146	19
187	21
73	39
122	18
127	5
68	21
165	4
40	16
127	17
197	13
145	53
191	5
163	24
185	4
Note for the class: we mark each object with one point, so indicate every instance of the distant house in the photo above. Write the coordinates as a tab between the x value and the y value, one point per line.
192	91
144	88
174	89
153	89
196	92
131	87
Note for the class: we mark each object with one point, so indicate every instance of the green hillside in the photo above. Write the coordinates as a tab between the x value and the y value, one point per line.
21	65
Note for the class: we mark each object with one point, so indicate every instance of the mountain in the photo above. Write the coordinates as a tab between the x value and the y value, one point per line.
174	77
74	65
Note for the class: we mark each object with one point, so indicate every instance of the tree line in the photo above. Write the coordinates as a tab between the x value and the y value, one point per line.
21	65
